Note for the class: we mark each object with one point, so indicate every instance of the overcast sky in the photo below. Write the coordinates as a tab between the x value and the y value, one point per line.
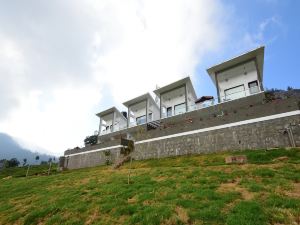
62	61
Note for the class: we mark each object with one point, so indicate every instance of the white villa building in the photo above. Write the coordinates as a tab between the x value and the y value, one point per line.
239	77
141	110
176	98
111	120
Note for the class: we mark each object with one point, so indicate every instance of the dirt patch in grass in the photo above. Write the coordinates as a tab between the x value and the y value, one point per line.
182	214
92	217
295	192
234	186
82	181
160	178
132	200
148	202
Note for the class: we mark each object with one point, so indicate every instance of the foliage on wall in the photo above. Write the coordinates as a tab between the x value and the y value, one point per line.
91	140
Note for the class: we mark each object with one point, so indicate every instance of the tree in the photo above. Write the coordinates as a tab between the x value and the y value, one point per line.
49	160
24	161
91	140
3	163
37	158
13	162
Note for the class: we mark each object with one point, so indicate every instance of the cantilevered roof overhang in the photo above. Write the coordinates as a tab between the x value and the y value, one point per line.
177	84
257	55
110	111
139	99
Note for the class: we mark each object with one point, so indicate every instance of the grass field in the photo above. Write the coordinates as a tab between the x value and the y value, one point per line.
198	189
33	170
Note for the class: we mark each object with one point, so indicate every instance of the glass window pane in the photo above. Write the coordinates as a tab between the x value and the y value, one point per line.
169	111
253	87
235	93
179	109
141	120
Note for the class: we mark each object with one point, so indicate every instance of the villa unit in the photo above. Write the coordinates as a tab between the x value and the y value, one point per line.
176	98
111	120
239	77
141	110
242	116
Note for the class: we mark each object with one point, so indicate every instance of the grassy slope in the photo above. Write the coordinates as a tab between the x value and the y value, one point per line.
33	170
183	190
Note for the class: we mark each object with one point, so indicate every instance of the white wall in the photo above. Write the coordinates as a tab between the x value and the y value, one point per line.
240	75
136	111
106	121
176	97
154	110
191	101
120	123
172	98
139	110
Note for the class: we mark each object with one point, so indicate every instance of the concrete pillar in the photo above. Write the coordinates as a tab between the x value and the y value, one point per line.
113	121
128	117
147	119
217	85
160	107
100	126
186	99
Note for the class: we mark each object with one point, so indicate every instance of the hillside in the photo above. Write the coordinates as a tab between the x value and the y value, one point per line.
198	189
9	148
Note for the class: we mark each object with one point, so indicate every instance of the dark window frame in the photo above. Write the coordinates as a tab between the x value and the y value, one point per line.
171	111
252	82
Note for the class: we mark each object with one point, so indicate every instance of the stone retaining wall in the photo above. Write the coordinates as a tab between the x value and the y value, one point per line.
265	134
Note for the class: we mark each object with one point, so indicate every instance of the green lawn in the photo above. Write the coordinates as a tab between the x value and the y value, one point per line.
197	189
33	170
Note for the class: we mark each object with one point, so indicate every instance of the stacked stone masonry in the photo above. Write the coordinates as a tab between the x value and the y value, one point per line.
264	134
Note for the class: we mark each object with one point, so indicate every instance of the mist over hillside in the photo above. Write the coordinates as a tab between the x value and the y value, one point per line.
9	148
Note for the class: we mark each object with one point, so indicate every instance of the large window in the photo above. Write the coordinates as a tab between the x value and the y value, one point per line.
179	109
234	93
141	120
253	87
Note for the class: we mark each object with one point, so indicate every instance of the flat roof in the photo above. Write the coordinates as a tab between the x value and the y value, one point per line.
257	54
139	99
109	111
174	85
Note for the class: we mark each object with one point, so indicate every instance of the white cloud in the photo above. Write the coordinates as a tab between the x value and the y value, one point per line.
158	42
66	60
267	32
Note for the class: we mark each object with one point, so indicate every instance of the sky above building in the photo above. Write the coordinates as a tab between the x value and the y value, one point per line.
61	62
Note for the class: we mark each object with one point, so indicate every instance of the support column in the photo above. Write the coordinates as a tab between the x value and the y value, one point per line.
128	117
147	119
186	99
113	121
160	108
100	127
217	85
